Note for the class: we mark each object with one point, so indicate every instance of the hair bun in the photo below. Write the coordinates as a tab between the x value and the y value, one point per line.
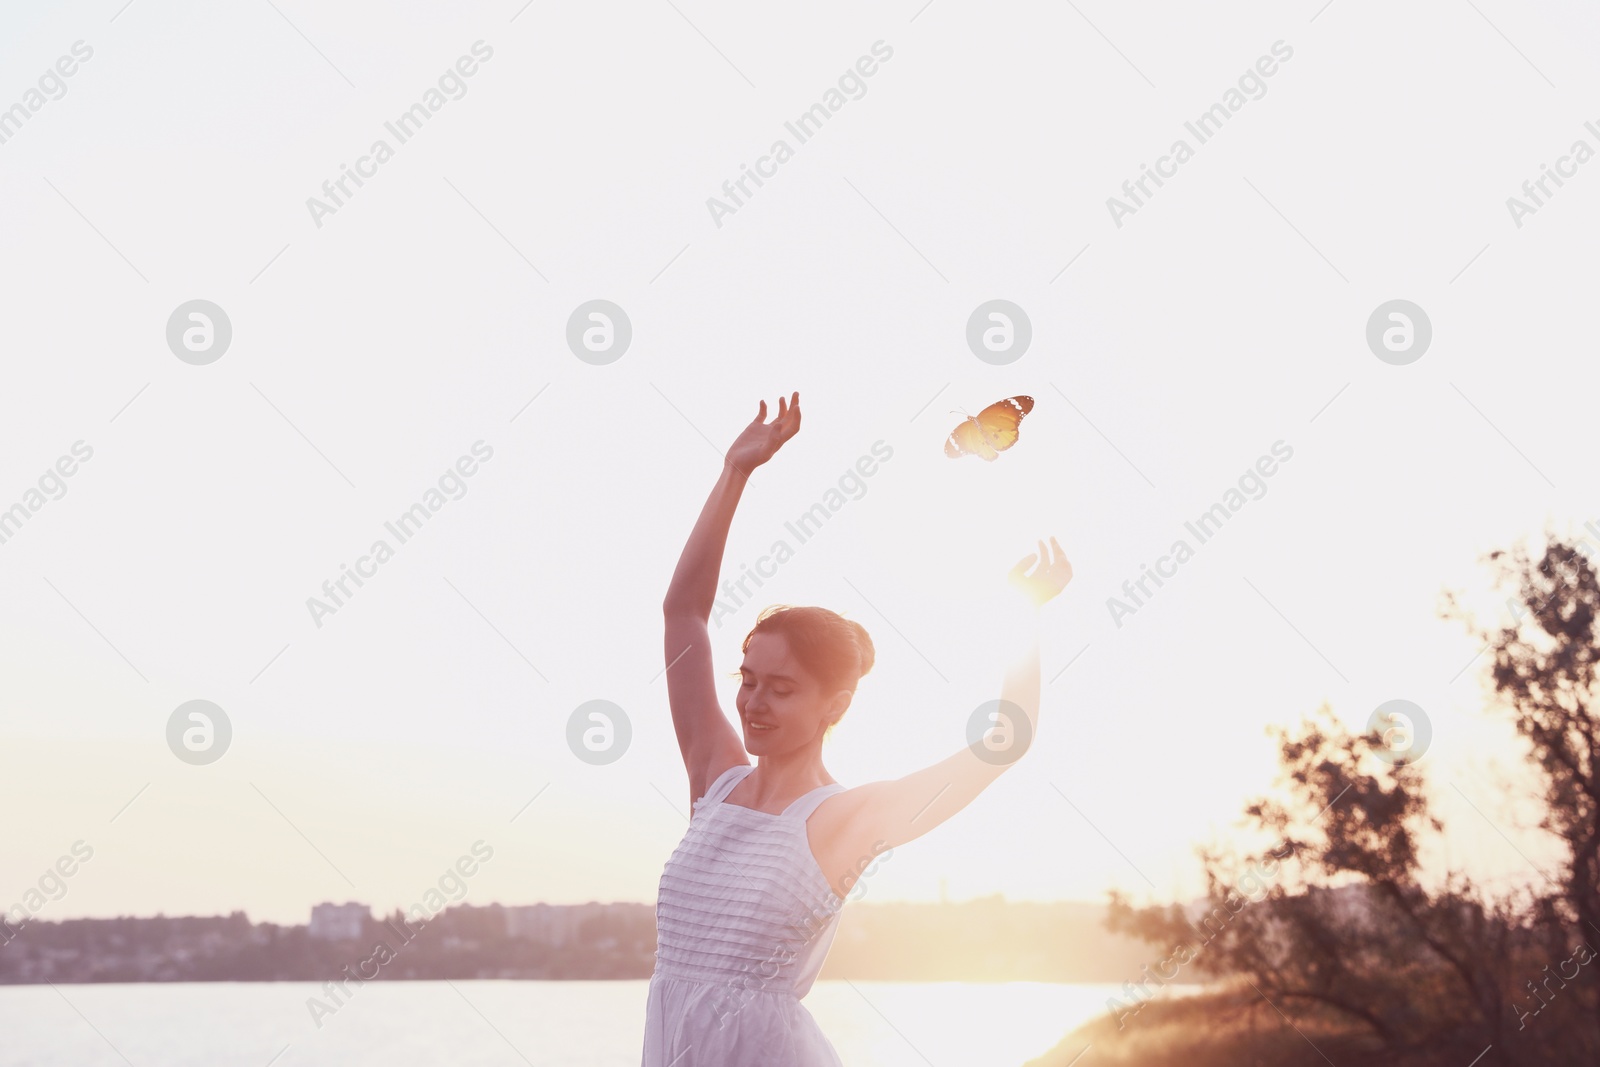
864	646
835	650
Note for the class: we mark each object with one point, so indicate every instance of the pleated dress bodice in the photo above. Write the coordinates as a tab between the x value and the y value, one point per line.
744	919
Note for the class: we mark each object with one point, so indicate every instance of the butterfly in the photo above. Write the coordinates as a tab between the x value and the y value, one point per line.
991	432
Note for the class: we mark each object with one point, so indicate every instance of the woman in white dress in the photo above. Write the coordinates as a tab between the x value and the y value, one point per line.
749	901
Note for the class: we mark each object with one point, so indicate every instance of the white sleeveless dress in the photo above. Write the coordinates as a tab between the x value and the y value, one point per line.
743	921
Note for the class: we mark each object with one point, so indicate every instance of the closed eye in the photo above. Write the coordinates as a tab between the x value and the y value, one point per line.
784	693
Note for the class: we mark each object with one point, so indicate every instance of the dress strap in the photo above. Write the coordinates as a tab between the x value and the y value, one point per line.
724	784
805	805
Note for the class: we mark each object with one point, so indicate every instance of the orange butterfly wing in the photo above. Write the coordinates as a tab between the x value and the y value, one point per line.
1002	420
994	430
967	440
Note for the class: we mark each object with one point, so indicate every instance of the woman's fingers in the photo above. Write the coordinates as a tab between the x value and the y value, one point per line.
788	409
1051	576
787	423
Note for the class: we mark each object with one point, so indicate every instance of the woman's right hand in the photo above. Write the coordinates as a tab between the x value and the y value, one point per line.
1048	579
761	440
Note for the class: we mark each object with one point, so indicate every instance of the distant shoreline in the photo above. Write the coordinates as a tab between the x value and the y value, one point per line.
982	941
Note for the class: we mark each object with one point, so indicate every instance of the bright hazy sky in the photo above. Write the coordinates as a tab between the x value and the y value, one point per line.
1228	313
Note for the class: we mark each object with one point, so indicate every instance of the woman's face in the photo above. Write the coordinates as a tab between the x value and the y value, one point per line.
781	706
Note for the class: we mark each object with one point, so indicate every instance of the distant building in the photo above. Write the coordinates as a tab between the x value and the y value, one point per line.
338	922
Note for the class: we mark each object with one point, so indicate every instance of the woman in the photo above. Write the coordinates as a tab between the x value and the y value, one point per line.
750	899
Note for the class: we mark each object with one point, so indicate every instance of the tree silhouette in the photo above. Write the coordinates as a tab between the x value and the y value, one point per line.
1336	926
1332	925
1543	675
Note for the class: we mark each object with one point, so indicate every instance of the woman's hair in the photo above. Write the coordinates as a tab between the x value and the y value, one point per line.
831	648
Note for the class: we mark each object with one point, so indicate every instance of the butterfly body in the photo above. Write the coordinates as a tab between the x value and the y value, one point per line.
991	431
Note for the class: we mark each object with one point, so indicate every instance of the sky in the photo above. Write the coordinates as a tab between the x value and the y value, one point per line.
422	320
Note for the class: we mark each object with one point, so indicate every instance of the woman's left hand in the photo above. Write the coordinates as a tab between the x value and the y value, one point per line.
1048	579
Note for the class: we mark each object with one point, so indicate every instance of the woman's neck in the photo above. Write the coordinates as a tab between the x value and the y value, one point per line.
786	777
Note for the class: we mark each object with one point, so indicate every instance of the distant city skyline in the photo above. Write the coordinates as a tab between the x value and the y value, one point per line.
985	940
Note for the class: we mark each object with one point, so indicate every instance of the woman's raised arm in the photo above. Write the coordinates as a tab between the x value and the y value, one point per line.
890	813
706	739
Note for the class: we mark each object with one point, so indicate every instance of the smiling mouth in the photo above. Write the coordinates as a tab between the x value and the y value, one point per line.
758	726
